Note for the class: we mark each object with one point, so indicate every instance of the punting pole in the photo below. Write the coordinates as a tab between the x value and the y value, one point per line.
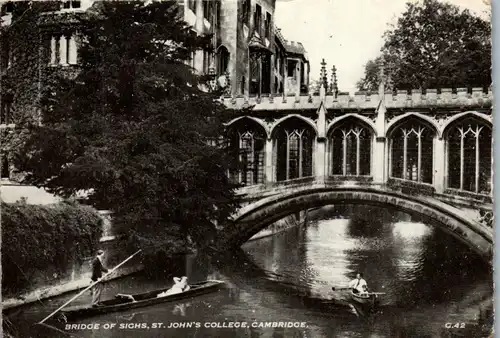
88	287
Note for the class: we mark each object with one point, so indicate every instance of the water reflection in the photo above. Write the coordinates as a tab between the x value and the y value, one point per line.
429	279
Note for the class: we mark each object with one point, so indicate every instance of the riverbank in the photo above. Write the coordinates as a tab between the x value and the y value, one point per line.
57	290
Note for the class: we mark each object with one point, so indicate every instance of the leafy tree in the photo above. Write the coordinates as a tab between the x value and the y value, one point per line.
372	76
434	45
133	128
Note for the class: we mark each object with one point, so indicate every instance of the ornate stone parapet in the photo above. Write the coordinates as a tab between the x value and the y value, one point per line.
402	99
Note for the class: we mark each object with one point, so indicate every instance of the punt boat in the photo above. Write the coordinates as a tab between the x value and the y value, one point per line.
365	299
125	302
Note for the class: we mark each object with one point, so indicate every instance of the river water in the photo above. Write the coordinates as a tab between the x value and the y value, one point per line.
434	286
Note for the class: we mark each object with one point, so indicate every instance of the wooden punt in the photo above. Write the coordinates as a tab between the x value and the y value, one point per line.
365	299
141	300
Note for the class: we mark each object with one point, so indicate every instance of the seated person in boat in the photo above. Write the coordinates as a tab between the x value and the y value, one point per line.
359	285
180	285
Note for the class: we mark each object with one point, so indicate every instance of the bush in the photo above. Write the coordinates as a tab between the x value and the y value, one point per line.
45	239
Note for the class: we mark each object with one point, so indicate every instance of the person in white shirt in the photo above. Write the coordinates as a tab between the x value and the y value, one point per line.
181	285
359	285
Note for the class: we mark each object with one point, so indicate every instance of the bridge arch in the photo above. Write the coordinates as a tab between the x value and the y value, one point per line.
256	216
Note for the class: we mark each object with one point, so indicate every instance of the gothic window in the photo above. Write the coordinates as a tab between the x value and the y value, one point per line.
350	147
257	19
63	50
245	11
469	157
251	158
268	26
249	144
294	150
255	74
207	10
412	152
223	60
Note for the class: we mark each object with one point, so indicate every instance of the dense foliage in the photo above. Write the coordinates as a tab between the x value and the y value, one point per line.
134	129
434	45
35	238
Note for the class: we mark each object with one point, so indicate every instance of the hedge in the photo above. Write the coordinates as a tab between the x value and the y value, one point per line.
41	239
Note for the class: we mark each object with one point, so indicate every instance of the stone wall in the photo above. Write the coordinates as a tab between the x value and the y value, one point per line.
281	225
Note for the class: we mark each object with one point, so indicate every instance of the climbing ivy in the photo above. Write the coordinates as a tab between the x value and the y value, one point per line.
38	239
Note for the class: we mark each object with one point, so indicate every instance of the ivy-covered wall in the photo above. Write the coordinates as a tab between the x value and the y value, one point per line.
46	244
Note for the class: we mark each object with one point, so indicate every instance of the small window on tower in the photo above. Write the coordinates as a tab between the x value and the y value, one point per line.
245	7
5	170
258	18
268	26
71	4
9	8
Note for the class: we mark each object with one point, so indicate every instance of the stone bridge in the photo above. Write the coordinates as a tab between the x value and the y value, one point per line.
265	204
427	153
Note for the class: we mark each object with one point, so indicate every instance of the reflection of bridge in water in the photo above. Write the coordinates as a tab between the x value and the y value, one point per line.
424	153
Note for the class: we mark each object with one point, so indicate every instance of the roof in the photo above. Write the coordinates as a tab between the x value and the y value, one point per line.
291	47
295	47
256	43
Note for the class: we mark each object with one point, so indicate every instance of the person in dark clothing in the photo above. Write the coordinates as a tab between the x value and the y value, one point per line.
97	270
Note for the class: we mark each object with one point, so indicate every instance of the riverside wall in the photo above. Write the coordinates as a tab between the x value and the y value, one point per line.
284	224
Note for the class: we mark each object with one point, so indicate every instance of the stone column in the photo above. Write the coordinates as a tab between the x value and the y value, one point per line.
63	49
439	165
320	149
380	154
379	160
53	51
319	163
298	71
285	77
271	72
72	57
269	160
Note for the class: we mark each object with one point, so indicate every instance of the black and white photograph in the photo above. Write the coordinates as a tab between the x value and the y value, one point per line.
247	168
